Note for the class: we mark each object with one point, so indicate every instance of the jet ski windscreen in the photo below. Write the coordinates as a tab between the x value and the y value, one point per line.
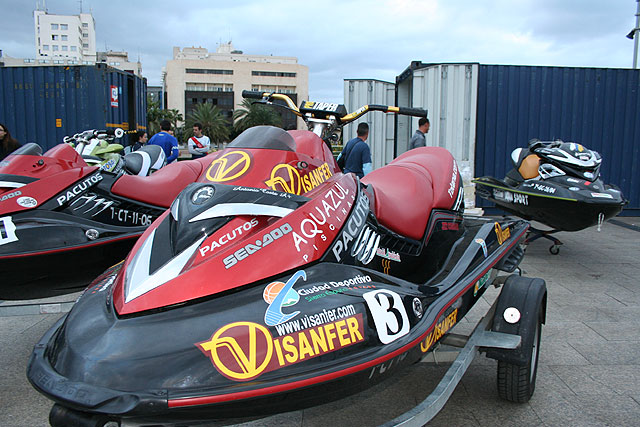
269	137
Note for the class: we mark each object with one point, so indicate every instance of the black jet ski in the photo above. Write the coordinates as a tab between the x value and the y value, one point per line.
289	285
556	183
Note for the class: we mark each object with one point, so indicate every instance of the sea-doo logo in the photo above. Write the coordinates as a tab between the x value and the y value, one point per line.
231	166
10	195
27	202
287	178
252	248
202	194
454	179
440	329
223	240
242	351
79	188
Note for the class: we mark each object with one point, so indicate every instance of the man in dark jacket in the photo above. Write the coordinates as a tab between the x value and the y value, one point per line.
418	139
358	153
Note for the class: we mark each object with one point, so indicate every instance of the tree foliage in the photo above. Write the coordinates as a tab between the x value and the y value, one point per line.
214	124
155	115
254	114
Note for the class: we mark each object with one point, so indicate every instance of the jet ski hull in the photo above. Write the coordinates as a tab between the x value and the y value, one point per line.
293	341
566	204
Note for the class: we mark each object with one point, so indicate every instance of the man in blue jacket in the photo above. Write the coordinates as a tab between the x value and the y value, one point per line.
165	140
358	153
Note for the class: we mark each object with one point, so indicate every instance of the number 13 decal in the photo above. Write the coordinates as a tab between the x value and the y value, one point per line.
389	314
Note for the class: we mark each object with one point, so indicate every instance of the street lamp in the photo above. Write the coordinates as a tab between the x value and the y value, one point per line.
633	35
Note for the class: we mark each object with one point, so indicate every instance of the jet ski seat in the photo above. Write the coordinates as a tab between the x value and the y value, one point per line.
161	187
408	188
525	166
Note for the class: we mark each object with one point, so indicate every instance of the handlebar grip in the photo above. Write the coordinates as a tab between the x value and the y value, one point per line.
252	94
417	112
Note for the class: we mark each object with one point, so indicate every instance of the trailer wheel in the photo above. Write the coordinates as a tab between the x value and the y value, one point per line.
517	383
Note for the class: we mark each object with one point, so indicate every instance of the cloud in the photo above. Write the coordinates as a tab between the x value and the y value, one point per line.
352	39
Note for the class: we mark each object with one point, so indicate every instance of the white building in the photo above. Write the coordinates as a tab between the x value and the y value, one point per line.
69	40
195	76
64	37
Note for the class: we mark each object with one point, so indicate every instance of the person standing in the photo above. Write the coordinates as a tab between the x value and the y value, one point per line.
418	139
198	144
167	141
7	144
357	153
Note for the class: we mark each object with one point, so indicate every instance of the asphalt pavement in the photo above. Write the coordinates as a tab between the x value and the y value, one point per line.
588	373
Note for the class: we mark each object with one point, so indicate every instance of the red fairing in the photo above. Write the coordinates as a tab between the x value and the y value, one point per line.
61	169
287	171
301	237
410	186
60	158
310	144
160	188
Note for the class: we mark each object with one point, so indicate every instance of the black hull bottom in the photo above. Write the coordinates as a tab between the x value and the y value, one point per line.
570	212
563	215
58	273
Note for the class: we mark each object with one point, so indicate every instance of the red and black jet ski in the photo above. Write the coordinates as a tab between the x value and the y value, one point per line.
63	222
556	183
274	283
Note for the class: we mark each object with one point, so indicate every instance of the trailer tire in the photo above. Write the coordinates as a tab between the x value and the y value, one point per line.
516	383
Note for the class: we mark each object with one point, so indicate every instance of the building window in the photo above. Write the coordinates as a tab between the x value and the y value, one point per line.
55	47
45	47
87	63
207	71
64	47
85	35
115	64
272	74
58	61
194	100
44	61
73	48
29	61
85	25
54	26
54	37
85	45
64	37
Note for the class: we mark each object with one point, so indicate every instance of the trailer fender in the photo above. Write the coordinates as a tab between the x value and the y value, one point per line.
521	305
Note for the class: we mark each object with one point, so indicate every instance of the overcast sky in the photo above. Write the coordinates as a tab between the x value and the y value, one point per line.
337	40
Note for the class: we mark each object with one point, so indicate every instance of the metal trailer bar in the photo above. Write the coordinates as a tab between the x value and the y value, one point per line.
480	337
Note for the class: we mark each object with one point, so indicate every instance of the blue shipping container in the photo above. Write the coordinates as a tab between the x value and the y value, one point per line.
44	104
596	107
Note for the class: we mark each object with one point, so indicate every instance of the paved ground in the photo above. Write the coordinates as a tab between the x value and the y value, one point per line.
589	372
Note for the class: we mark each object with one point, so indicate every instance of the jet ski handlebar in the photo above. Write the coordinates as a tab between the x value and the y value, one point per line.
324	110
93	133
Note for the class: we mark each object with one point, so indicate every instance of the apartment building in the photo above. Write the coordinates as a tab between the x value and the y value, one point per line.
195	75
69	40
60	37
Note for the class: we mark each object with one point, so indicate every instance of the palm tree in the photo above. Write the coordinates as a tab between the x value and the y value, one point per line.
155	115
254	114
214	124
